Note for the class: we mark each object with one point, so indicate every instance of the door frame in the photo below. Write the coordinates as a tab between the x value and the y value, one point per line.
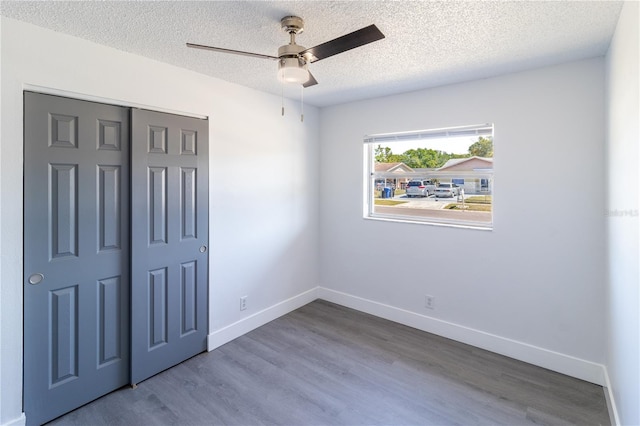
109	101
26	87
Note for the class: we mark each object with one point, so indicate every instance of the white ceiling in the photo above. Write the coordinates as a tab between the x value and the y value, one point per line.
427	43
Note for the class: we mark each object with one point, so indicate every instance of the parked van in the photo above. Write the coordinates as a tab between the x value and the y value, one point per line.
420	188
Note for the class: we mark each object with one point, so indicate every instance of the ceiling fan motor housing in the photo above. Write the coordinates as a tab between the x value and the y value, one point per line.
292	24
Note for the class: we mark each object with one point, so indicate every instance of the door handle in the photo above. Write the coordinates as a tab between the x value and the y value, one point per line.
36	278
203	248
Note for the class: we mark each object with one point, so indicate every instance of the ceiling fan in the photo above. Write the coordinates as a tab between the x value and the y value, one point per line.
293	59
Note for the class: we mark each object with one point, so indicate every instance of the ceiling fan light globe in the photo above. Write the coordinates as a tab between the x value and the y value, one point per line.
290	71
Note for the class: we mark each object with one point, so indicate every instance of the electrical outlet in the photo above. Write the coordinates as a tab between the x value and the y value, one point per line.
243	303
429	302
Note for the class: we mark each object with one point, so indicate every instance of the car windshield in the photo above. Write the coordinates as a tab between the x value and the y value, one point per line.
415	183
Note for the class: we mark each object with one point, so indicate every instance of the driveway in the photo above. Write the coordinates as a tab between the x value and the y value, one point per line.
429	203
432	207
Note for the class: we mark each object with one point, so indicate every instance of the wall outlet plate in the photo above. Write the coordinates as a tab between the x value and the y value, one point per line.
429	302
243	303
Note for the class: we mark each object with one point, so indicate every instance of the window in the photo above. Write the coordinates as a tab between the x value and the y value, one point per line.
439	176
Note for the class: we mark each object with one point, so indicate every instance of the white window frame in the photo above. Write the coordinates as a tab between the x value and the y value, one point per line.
387	139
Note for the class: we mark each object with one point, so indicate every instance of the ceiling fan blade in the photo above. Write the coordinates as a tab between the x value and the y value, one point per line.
235	52
349	41
311	82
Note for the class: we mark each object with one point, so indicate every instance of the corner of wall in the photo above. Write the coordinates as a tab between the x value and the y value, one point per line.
20	421
226	334
611	402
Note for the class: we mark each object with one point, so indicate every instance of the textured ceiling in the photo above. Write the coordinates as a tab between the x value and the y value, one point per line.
427	43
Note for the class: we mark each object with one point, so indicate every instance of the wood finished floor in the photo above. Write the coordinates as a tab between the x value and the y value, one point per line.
324	364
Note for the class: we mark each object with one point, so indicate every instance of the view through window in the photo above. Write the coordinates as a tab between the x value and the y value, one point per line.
442	176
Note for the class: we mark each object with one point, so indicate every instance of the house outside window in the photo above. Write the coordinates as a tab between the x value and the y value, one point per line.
438	176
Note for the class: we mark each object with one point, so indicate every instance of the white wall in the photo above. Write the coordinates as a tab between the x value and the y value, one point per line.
533	288
623	94
264	178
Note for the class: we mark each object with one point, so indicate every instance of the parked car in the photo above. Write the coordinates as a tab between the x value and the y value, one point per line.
420	188
447	190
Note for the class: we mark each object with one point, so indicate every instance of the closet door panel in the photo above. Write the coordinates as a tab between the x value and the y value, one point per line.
169	240
76	253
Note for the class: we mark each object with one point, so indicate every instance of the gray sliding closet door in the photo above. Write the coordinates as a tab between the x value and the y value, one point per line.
169	266
76	253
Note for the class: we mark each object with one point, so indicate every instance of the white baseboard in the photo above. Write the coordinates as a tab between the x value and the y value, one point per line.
611	402
555	361
224	335
20	421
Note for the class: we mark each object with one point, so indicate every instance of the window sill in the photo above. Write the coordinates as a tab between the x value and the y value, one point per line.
481	226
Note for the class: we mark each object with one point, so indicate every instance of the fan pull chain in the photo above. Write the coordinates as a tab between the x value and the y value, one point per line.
302	104
301	101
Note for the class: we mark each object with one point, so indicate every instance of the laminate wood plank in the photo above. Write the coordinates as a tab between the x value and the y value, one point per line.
325	364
